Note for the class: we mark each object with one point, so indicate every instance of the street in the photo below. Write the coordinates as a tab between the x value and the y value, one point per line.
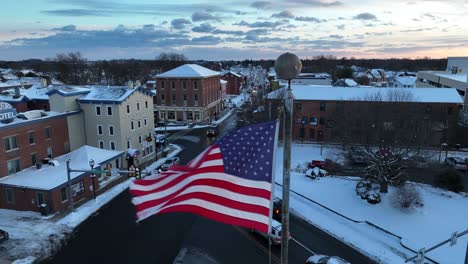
113	236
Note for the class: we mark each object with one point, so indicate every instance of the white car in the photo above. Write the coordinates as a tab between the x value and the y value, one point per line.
169	162
275	233
322	259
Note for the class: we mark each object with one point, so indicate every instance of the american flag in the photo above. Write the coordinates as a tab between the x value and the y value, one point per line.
230	182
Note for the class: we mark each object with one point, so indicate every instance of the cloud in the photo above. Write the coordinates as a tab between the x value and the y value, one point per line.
341	27
228	32
336	36
365	16
75	12
260	24
205	28
309	19
261	4
65	28
317	3
284	14
206	40
180	23
416	30
204	16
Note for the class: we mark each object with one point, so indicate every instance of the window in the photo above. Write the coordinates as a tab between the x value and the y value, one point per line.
10	143
132	126
195	99
48	132
146	104
99	130
98	110
33	158
450	110
40	198
173	84
163	99
9	196
13	166
171	115
312	133
112	145
49	152
304	120
111	130
185	99
101	144
139	139
146	122
322	121
109	110
128	109
196	115
195	85
298	106
173	99
63	194
184	84
162	84
128	144
313	121
31	137
139	123
117	163
323	106
138	106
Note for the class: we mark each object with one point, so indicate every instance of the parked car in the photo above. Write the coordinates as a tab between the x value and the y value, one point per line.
414	161
317	163
169	162
275	233
322	259
4	236
211	132
456	163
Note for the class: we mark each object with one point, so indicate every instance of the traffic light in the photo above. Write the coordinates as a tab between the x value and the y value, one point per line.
137	173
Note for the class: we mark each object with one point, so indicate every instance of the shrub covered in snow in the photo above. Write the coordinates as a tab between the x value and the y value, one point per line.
316	172
373	197
362	187
406	196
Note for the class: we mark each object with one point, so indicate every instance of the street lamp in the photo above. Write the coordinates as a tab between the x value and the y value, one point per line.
287	67
91	164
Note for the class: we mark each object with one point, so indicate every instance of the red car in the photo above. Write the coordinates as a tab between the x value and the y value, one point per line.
318	163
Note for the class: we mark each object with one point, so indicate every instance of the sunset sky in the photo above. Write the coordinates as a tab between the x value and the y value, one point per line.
233	29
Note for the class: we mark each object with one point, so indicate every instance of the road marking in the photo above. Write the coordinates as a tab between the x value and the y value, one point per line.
259	245
302	245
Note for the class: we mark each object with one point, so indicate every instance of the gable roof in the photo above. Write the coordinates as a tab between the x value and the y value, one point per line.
189	71
50	177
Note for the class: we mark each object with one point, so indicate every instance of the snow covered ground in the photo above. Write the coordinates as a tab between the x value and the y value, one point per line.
442	214
177	128
33	236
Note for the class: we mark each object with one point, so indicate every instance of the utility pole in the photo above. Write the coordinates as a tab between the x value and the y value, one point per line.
287	67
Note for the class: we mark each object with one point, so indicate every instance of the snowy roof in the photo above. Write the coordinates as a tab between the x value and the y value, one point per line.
189	71
330	93
67	90
233	73
222	81
350	82
110	93
50	177
18	121
461	77
406	80
151	82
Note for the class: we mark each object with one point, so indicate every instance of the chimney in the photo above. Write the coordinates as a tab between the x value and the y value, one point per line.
137	83
17	92
130	85
44	82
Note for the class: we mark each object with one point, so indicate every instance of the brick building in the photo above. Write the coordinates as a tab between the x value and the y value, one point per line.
234	82
37	135
426	116
188	93
47	185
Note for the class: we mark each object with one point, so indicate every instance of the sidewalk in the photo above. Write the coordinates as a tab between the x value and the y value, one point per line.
34	237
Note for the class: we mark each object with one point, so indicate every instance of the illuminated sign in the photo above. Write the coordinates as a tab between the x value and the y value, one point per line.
7	112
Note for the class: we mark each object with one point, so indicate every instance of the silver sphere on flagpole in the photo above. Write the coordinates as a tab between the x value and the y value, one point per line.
287	67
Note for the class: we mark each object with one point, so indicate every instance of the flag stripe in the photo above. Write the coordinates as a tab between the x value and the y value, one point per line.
189	177
252	205
208	206
210	163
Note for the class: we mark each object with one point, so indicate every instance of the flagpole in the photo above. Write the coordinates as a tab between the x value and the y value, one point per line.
287	67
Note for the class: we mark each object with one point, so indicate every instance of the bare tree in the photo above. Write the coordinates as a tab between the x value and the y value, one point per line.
72	68
168	61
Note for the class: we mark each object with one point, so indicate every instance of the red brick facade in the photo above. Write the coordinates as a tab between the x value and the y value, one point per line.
234	83
58	142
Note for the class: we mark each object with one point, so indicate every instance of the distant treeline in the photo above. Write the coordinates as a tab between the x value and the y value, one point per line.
73	68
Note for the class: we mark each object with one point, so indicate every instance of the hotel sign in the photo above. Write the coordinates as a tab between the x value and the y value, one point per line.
7	112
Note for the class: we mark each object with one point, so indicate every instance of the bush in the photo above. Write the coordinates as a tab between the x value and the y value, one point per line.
362	188
449	179
406	196
372	197
332	167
